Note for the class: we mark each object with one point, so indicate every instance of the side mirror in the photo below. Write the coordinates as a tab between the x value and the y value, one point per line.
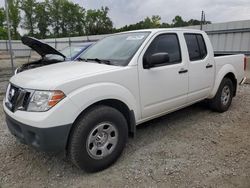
156	59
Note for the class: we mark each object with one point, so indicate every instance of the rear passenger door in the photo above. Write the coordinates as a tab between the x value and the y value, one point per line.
201	67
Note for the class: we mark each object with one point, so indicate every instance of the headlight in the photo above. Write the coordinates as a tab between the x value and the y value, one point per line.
44	100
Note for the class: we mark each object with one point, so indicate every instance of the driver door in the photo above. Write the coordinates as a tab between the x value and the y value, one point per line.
163	87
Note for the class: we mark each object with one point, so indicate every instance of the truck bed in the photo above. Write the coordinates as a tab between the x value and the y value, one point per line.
235	60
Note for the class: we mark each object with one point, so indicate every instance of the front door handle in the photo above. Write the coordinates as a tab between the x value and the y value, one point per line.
209	66
183	71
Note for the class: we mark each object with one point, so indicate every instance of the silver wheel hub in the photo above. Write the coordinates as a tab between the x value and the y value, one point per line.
225	95
102	140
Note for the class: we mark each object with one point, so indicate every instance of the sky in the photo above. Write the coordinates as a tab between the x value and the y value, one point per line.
124	12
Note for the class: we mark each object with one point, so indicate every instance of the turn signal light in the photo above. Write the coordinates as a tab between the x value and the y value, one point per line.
56	97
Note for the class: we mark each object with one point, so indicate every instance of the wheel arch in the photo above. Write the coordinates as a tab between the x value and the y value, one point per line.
114	103
124	109
226	71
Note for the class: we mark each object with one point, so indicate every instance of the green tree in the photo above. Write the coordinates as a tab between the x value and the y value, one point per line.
178	22
28	6
66	15
54	14
42	19
197	22
15	18
147	23
77	24
3	31
2	17
98	22
165	25
63	18
156	21
67	18
70	25
194	22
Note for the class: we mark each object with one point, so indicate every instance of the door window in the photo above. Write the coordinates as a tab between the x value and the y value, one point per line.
167	43
196	46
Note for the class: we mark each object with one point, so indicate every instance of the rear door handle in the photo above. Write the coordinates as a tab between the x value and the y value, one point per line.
183	71
209	66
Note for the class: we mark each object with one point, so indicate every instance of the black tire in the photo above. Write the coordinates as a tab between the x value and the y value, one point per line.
217	103
82	131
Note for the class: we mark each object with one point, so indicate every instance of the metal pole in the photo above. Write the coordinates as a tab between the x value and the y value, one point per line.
9	36
202	14
204	19
70	48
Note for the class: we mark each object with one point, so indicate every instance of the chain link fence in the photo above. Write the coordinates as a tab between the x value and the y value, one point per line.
20	50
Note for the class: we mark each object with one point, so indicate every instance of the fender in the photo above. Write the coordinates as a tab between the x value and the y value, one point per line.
93	93
224	70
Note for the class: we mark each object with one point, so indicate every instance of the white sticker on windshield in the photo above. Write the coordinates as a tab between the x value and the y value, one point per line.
138	37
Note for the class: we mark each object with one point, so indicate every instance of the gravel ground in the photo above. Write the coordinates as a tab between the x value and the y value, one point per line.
193	147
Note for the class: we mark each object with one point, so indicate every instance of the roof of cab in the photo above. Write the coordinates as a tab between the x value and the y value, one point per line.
155	30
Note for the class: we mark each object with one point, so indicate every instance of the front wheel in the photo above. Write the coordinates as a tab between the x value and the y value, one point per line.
98	138
223	98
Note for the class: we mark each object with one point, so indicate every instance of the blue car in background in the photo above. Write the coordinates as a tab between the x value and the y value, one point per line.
50	55
72	52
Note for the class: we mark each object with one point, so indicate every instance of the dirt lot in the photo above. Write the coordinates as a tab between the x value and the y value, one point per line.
193	147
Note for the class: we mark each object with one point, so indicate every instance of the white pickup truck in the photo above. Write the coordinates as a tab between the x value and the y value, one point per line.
88	108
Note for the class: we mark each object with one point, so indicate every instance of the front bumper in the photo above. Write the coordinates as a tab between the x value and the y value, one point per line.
45	139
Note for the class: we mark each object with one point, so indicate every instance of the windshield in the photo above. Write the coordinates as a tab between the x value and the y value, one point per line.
118	49
69	52
72	51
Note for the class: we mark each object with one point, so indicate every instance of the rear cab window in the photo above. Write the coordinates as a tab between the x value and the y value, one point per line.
196	46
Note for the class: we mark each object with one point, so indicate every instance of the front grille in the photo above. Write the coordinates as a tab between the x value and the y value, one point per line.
17	98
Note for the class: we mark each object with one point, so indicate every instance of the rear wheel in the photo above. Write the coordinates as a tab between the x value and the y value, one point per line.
223	98
98	138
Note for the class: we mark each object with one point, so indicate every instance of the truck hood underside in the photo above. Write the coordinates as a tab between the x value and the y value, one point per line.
41	48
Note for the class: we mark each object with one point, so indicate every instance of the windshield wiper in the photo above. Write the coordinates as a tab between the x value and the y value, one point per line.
82	59
99	60
95	59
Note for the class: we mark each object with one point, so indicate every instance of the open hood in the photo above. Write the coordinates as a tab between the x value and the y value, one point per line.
40	47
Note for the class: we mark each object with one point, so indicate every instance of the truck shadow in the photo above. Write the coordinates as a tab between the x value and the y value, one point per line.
168	125
56	164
